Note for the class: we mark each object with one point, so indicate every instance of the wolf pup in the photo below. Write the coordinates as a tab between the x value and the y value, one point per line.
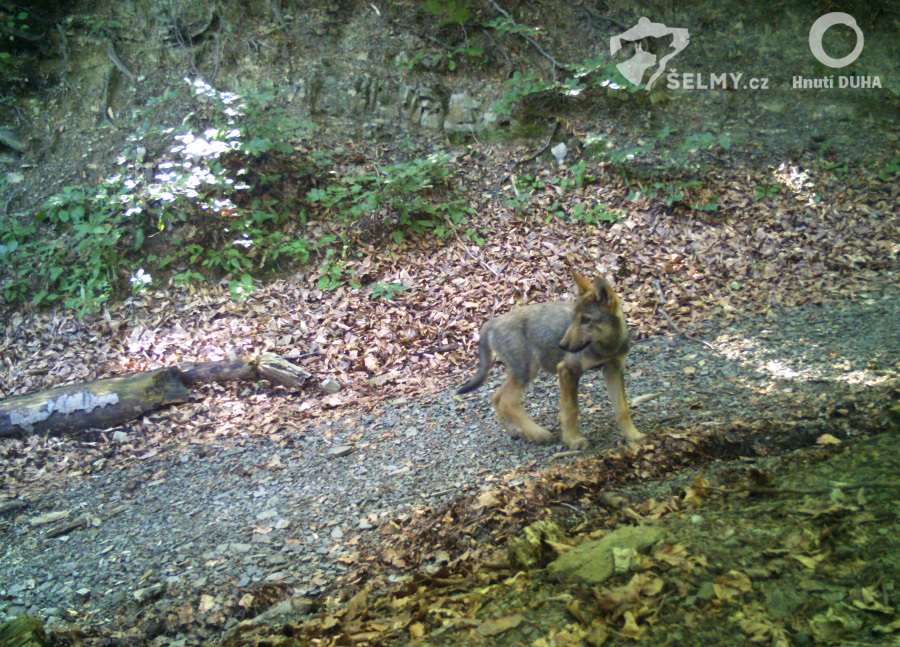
563	338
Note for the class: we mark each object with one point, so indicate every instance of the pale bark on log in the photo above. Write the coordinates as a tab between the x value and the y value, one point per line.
114	401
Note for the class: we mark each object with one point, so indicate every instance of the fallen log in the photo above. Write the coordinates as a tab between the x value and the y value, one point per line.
114	401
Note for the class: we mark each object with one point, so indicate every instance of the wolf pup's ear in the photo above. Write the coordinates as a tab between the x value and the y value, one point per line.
604	291
584	286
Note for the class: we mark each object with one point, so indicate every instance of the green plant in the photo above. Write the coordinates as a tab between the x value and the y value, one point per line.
592	73
11	73
403	191
448	12
386	290
593	215
334	273
890	172
184	278
474	236
504	25
530	183
709	203
253	120
89	236
518	202
580	177
99	26
672	193
79	250
470	51
767	191
215	174
521	86
241	289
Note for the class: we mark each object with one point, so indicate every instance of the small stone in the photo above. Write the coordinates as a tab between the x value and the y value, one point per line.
119	436
331	386
337	534
340	450
50	517
149	593
559	152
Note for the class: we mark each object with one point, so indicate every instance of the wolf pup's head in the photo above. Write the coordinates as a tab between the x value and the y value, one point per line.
597	318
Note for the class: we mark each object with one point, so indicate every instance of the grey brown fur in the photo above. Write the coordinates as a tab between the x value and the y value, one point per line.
567	339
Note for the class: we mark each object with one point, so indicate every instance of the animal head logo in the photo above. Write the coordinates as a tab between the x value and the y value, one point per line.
634	68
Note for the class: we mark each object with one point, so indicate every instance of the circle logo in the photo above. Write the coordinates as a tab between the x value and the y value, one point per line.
823	24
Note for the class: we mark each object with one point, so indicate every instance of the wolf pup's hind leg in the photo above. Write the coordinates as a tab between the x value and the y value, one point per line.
508	405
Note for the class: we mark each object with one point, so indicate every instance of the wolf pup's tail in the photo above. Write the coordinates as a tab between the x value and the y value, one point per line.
484	362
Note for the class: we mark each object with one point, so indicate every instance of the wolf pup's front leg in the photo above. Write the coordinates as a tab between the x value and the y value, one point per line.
568	407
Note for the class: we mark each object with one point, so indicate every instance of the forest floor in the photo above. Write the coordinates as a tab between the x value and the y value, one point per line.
381	514
766	372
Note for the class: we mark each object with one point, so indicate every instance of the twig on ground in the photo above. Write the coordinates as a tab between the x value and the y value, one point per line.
571	507
480	262
671	321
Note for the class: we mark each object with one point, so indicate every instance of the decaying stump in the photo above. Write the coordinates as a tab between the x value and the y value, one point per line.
114	401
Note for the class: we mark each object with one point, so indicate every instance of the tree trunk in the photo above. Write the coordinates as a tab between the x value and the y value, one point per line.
114	401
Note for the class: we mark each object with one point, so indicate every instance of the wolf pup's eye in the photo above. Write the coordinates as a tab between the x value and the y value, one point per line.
585	320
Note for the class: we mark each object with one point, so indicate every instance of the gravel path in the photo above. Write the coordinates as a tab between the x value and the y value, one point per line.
195	519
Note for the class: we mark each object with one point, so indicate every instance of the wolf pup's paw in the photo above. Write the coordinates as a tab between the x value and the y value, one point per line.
539	435
578	443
